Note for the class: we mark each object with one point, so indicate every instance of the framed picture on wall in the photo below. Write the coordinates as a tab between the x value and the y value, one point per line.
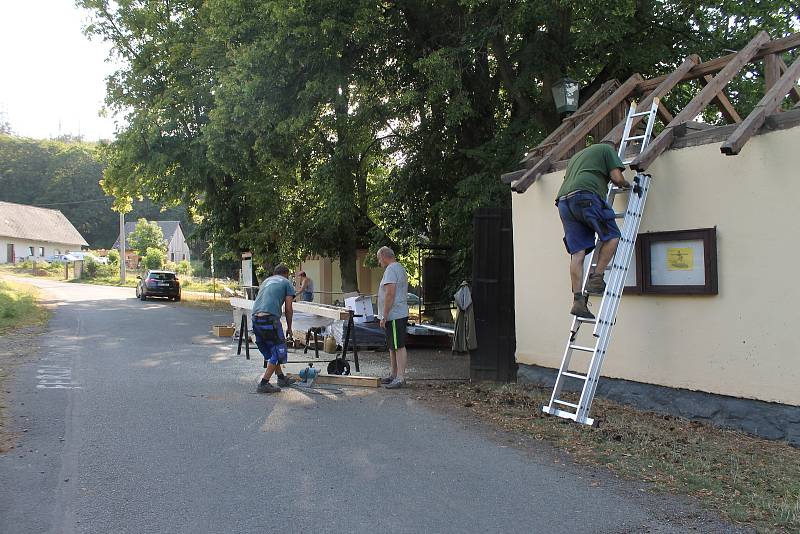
682	262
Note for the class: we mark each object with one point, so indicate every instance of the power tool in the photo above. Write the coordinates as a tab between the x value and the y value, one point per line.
308	375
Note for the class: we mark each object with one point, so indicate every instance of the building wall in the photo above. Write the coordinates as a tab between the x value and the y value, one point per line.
327	277
740	342
21	250
178	250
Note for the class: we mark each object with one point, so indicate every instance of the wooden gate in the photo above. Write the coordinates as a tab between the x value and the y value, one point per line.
493	296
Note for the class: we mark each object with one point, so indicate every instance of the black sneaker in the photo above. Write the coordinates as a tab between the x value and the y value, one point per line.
387	380
595	285
580	308
286	381
266	387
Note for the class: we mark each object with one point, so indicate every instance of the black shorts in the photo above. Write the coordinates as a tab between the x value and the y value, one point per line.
396	333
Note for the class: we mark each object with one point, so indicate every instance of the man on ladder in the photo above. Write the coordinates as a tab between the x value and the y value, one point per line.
584	212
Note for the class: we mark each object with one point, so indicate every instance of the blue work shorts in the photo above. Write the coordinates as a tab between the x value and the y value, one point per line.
270	338
583	215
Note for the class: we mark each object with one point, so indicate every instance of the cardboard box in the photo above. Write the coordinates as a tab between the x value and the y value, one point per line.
223	330
361	306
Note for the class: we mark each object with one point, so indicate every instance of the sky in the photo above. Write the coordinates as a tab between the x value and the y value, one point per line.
52	78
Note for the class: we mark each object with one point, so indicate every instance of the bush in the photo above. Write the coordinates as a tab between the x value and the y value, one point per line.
113	257
184	267
154	258
89	268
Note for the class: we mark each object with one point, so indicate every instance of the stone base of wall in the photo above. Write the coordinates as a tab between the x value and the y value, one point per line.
765	419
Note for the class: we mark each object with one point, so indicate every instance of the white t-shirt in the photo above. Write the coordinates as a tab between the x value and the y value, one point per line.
394	274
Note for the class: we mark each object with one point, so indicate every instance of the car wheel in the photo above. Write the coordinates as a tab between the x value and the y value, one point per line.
177	298
142	296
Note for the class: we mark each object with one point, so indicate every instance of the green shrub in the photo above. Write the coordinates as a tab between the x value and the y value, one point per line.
89	268
184	267
154	258
113	256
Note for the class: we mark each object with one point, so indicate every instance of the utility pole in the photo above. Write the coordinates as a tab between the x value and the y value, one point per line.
122	247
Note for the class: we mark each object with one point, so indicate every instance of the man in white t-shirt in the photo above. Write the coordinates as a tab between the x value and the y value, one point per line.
393	313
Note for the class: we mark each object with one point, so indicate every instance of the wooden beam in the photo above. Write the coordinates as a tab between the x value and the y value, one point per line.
771	71
664	113
587	107
513	176
794	93
722	102
346	380
322	310
578	133
765	106
715	65
699	102
663	88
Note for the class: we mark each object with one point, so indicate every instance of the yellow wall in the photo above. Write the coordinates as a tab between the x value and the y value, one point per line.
327	277
741	342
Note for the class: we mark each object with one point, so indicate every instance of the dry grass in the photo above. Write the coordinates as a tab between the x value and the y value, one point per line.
747	480
205	301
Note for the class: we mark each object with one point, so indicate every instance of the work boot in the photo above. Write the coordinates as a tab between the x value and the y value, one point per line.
580	307
595	285
266	387
387	380
286	381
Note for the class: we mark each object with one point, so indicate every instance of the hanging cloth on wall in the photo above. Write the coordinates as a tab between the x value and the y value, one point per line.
464	338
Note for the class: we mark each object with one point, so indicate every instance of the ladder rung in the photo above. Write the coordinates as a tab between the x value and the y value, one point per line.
640	113
585	320
565	403
619	215
627	162
574	375
633	138
581	347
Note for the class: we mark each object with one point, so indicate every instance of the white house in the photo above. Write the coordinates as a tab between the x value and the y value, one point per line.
31	232
177	249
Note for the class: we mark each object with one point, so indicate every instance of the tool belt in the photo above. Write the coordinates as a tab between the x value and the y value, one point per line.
267	327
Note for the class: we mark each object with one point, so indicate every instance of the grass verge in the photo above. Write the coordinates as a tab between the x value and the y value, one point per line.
206	301
747	480
18	307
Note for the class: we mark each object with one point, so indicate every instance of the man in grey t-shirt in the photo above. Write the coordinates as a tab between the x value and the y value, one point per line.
393	312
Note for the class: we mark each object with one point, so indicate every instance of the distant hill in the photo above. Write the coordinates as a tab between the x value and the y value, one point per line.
65	175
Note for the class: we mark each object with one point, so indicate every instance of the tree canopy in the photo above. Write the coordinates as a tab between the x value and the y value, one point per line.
290	127
146	236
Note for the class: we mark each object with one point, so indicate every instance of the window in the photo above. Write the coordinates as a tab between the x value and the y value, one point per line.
41	251
30	251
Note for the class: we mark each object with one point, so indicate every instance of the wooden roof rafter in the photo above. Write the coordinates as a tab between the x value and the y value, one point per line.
779	78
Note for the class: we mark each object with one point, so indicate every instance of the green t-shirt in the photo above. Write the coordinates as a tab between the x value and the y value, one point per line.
590	169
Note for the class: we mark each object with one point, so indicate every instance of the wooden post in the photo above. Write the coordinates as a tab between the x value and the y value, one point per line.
696	105
765	106
580	131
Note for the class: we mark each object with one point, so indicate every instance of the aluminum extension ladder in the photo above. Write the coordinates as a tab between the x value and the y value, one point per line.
606	316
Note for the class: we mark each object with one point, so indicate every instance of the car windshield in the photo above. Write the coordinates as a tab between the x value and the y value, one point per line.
162	276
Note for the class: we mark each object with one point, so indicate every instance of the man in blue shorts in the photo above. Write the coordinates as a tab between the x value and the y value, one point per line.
274	293
584	212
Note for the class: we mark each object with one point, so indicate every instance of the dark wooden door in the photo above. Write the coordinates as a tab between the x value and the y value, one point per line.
493	296
10	253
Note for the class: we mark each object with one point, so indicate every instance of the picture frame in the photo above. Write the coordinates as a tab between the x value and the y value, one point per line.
679	262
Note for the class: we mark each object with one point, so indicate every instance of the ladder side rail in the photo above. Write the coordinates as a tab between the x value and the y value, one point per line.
559	384
587	395
634	207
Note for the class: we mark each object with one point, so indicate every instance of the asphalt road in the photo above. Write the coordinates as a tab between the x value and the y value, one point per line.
134	419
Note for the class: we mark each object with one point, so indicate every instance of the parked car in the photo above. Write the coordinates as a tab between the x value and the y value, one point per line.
61	258
159	284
